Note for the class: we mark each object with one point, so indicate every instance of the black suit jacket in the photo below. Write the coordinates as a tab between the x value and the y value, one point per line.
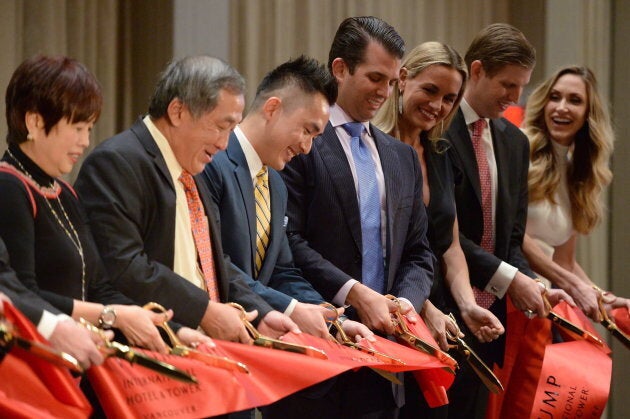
511	150
129	197
325	226
229	181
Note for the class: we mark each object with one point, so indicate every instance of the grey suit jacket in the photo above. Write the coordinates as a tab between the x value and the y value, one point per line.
129	197
230	184
325	226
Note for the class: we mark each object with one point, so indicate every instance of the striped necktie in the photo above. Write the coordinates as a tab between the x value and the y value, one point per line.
263	216
201	234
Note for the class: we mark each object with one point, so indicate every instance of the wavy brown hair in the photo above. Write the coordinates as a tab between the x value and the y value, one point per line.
588	172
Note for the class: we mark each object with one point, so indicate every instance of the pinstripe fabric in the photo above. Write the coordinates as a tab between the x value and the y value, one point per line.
263	216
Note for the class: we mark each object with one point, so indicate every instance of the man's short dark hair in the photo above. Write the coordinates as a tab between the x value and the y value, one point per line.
498	45
355	33
305	73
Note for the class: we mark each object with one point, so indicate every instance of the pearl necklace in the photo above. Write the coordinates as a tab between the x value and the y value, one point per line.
51	192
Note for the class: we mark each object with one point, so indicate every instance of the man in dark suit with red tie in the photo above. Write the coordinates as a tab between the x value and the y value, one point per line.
152	218
493	157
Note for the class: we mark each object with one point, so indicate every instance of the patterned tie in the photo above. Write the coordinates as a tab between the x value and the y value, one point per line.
483	298
201	234
372	269
263	216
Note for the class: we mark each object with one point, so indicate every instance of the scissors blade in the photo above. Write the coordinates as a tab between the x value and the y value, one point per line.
574	330
211	360
49	354
426	347
616	332
387	375
484	373
125	352
290	347
376	354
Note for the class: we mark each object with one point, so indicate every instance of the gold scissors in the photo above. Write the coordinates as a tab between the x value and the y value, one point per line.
609	323
401	331
480	368
9	339
346	341
113	348
571	328
180	349
267	342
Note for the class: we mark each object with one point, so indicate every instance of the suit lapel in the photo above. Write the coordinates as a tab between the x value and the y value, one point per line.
463	145
336	163
502	157
246	188
146	139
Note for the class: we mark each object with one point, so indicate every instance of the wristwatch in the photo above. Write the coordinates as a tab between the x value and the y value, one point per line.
107	318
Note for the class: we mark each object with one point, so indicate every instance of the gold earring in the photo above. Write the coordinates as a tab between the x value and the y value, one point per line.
400	103
29	137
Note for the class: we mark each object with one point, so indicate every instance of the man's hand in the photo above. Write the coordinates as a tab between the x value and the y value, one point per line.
311	319
438	323
357	331
555	295
526	295
138	326
79	342
193	338
276	324
374	309
222	321
482	323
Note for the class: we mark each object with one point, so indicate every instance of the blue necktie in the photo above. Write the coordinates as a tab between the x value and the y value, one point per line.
372	270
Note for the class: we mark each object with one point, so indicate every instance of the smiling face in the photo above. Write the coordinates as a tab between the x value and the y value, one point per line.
429	97
566	108
291	131
491	96
57	152
195	140
362	93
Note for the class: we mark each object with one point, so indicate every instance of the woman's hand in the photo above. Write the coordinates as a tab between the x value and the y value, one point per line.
482	323
138	326
357	331
438	323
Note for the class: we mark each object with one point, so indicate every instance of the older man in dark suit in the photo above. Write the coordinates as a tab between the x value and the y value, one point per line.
357	224
152	218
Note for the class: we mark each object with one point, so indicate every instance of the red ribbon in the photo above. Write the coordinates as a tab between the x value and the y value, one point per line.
33	387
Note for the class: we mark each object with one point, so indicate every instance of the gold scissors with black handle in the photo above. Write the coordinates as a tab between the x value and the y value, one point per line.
609	323
180	349
8	340
113	348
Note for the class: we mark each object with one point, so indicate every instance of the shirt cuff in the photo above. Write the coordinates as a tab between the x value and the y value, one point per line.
289	310
48	323
340	298
501	280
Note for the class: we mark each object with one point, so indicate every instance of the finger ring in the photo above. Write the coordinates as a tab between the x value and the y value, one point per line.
530	314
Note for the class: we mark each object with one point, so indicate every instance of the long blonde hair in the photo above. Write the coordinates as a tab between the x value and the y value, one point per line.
588	172
419	59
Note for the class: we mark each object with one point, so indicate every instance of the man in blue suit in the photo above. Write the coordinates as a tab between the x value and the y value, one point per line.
357	224
291	108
